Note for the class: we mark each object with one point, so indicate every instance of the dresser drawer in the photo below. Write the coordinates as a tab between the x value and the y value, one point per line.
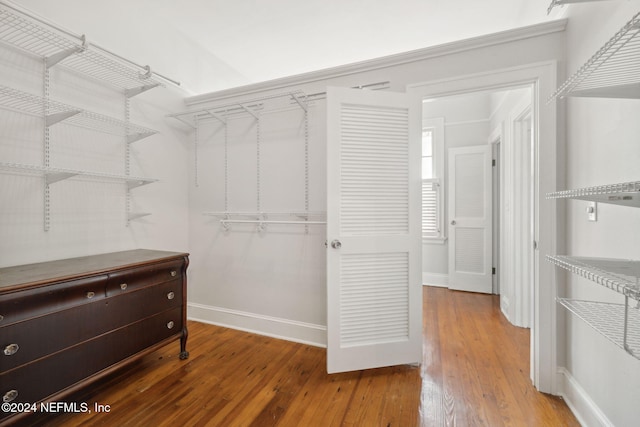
36	381
26	341
145	302
32	339
133	279
30	303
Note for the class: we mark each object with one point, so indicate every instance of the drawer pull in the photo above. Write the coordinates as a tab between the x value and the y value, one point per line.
123	286
9	396
91	294
170	324
11	349
173	273
171	295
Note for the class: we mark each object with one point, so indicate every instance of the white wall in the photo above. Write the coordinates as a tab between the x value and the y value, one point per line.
271	280
274	282
602	148
88	217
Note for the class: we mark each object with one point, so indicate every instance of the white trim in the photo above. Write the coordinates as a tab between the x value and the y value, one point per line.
434	240
543	77
437	124
275	327
445	49
435	279
523	295
504	307
468	122
580	403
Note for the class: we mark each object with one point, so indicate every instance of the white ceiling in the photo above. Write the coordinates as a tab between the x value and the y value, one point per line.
210	45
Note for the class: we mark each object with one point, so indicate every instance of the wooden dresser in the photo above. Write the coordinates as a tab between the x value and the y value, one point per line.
66	323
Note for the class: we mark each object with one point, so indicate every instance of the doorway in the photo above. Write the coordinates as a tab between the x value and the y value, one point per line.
541	78
488	193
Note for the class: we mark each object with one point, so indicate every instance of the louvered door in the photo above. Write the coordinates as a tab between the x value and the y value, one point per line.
374	305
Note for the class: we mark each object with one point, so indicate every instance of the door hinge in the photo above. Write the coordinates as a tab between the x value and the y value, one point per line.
493	270
493	163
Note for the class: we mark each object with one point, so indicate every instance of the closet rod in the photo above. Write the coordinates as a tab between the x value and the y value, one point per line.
291	213
43	21
267	221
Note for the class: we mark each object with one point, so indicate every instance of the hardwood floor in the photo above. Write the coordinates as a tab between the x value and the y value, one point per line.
475	373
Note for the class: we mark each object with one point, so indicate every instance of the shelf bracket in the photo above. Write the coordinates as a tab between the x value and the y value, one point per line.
138	136
54	59
52	178
130	93
301	103
182	120
248	110
54	118
218	116
134	184
137	215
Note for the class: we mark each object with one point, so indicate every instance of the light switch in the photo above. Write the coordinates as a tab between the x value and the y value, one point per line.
592	211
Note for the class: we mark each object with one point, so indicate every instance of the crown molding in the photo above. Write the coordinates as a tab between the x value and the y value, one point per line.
502	37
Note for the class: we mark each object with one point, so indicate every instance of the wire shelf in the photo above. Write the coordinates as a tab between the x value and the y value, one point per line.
626	194
609	320
23	102
613	71
37	38
252	107
555	3
53	175
620	275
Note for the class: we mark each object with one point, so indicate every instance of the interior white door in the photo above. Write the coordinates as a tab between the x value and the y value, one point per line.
374	293
470	219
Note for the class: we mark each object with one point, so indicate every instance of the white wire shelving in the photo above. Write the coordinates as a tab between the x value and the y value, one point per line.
555	3
256	109
612	72
26	103
620	323
57	46
620	275
53	175
252	107
625	194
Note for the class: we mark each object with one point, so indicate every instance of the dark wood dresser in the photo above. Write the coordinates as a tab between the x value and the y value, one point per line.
66	323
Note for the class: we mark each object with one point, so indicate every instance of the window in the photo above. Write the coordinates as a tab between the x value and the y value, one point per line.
432	158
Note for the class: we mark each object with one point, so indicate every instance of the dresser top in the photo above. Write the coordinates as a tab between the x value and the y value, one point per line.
32	275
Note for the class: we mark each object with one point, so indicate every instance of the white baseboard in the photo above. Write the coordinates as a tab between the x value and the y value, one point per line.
580	403
435	279
290	330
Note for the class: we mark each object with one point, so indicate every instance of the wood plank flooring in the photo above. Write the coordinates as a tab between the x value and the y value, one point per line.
475	372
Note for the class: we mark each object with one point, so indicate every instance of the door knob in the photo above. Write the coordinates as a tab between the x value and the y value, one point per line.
335	244
453	222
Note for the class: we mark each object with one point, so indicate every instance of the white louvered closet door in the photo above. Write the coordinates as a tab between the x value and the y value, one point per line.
374	307
470	219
